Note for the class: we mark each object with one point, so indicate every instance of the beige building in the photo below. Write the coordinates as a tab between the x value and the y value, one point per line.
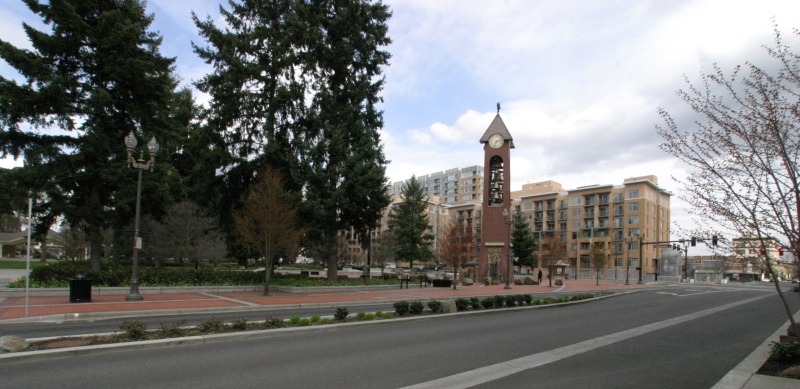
747	253
612	218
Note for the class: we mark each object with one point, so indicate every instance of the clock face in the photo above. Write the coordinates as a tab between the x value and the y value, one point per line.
496	141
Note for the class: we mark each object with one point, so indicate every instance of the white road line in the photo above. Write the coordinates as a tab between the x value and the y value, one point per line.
237	301
499	370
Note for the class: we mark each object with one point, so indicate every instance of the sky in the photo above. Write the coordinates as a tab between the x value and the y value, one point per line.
579	82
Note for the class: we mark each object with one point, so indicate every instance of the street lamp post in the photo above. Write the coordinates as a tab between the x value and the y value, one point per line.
627	261
641	259
139	164
508	222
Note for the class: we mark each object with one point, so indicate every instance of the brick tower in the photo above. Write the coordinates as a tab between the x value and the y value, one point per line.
494	243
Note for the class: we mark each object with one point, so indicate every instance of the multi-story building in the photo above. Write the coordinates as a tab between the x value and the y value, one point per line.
452	186
614	219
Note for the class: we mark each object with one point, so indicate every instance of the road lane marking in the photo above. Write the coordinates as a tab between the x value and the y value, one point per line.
503	369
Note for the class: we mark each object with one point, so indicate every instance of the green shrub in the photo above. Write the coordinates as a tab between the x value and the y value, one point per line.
401	308
462	304
549	300
365	316
416	307
789	351
274	322
240	323
316	319
175	330
499	301
435	306
511	300
133	329
475	303
527	299
211	325
487	303
341	313
294	320
304	322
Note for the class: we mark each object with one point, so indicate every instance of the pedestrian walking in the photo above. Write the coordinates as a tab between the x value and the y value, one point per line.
539	276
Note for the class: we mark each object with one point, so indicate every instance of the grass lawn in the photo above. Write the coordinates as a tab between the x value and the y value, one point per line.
5	264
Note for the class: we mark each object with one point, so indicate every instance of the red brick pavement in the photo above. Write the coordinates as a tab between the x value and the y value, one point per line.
38	307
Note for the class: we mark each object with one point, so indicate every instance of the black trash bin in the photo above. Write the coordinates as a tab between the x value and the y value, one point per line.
80	289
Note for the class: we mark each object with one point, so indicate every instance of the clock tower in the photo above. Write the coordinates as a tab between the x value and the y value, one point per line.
494	245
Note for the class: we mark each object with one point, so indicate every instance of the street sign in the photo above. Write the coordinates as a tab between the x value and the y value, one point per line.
664	246
137	243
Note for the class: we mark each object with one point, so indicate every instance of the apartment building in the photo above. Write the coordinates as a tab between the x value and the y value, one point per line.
567	223
452	186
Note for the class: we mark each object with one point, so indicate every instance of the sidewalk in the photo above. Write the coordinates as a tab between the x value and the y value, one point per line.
178	300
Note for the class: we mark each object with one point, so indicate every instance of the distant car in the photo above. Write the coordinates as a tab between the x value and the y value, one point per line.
391	266
795	280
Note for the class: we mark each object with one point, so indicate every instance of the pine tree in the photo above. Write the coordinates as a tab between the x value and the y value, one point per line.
95	77
296	86
522	238
410	224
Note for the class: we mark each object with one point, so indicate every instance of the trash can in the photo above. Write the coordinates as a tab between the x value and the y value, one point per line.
80	289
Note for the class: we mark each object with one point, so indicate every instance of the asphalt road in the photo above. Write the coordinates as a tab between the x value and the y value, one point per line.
688	337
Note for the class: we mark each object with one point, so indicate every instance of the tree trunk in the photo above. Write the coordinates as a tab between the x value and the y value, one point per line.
96	242
267	267
788	310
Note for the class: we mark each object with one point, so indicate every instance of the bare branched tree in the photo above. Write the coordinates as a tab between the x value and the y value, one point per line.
457	246
268	222
599	259
743	149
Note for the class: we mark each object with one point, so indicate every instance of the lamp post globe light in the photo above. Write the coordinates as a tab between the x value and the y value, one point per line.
139	164
508	221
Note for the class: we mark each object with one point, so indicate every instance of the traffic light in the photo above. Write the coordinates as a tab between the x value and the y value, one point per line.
762	250
674	246
780	251
714	240
694	241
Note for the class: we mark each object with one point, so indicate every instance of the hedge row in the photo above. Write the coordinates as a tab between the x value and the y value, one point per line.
112	274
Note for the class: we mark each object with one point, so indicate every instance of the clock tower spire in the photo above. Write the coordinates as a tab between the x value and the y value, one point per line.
494	244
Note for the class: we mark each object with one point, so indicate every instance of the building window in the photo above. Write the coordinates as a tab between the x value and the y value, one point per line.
633	219
576	200
576	224
618	262
633	194
576	212
633	207
528	206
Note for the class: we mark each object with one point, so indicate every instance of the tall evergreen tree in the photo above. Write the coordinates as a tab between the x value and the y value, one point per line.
96	76
347	186
410	224
296	86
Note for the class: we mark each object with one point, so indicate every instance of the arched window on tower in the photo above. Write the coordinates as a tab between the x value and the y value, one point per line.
496	180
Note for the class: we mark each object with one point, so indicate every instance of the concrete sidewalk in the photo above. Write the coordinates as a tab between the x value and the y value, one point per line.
110	302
